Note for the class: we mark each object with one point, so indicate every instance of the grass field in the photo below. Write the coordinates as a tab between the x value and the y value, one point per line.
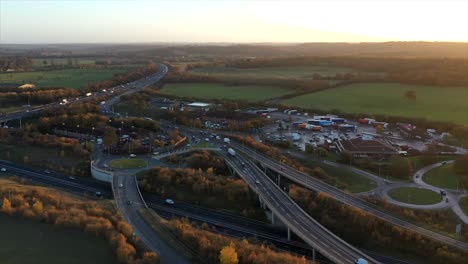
464	204
413	195
355	183
220	91
27	242
433	103
73	78
125	164
10	109
444	177
283	72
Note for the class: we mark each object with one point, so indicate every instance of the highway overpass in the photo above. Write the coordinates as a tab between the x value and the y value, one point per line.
296	219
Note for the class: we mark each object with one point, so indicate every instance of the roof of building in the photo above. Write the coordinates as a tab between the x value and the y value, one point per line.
198	104
27	85
366	146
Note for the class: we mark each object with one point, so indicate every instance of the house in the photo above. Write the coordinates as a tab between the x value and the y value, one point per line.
366	147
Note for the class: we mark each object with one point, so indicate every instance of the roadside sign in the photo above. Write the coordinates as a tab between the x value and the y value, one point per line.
458	230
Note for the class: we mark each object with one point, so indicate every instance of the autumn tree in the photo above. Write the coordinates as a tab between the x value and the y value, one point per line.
38	207
410	95
228	255
6	205
110	137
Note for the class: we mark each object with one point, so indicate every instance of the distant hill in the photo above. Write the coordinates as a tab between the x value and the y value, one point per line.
369	49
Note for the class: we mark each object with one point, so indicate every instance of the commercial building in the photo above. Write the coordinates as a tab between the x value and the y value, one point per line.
366	147
197	106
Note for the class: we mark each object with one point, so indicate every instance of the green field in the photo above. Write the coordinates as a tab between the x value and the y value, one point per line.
37	63
444	177
464	204
433	103
130	163
220	91
73	78
282	72
413	195
354	182
26	242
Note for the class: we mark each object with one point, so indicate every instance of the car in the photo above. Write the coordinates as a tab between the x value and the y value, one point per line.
106	165
446	200
47	172
257	182
129	202
360	261
71	178
120	185
156	153
169	201
243	164
443	193
98	193
132	156
3	170
444	163
282	168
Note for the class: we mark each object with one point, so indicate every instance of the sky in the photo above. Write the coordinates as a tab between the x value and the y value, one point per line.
124	21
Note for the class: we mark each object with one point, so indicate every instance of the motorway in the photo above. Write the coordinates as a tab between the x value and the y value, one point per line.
301	223
129	193
319	186
241	227
119	90
230	224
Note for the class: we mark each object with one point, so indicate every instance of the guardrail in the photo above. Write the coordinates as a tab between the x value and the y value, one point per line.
100	174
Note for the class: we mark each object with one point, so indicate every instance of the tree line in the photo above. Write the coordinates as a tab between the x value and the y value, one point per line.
17	63
96	218
12	97
204	187
217	248
380	234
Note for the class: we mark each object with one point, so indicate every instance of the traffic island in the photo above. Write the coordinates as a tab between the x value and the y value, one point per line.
127	164
414	195
445	177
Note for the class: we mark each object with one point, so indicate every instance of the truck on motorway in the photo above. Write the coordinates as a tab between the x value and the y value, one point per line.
231	152
89	94
227	140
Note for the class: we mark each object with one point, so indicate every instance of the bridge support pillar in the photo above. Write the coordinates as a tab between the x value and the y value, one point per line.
262	204
289	234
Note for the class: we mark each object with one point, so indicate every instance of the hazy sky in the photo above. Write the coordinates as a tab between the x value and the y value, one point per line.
80	21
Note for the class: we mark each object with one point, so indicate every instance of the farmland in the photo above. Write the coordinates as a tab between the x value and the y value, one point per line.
220	91
282	72
28	241
432	103
73	78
